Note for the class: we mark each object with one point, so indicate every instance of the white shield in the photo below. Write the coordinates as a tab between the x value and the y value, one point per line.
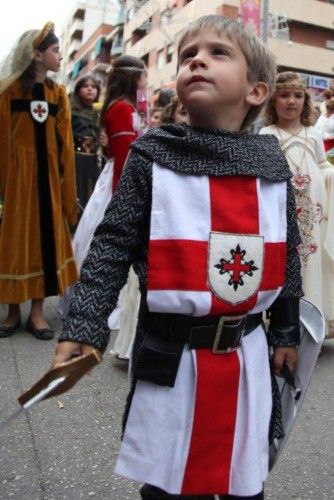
312	334
235	264
39	110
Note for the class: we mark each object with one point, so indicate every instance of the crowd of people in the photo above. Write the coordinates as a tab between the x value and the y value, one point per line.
196	204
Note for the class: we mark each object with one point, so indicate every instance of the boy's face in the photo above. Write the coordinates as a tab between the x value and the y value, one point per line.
212	80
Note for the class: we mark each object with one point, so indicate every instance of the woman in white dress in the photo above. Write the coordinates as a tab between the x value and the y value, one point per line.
289	117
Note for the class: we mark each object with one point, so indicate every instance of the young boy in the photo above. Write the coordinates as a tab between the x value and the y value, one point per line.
206	216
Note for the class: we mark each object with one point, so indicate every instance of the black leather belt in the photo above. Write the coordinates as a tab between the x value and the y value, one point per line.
221	334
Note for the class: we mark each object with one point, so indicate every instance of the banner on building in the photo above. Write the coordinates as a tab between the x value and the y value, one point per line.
250	13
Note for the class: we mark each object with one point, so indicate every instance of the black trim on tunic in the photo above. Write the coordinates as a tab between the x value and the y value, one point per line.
17	105
48	249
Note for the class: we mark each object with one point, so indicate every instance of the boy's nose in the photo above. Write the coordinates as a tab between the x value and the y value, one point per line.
197	61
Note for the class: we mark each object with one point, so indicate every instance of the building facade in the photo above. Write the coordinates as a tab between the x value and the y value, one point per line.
300	34
86	41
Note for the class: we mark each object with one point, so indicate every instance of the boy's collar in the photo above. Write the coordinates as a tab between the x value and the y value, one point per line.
204	151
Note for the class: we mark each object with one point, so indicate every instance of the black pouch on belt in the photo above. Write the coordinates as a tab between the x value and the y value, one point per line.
158	360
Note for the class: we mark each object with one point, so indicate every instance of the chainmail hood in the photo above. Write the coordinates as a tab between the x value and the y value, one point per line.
205	151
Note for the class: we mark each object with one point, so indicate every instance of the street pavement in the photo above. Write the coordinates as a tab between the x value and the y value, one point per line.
66	447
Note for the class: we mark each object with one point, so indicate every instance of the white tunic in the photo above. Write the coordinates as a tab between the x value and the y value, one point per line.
209	433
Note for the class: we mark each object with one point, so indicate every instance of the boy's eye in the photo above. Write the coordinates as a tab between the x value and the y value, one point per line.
187	55
218	51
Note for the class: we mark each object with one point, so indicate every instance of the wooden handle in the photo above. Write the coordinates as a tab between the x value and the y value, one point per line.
72	370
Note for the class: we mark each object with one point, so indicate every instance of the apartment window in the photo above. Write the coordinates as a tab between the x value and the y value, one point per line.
139	3
170	52
141	31
161	59
280	27
137	35
145	58
130	14
117	42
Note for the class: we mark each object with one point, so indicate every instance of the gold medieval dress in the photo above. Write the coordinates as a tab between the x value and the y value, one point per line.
38	189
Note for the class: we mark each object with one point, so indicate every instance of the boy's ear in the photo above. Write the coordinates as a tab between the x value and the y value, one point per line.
258	94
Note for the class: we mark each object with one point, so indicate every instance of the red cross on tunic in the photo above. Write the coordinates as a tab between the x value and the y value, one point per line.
236	266
39	110
181	264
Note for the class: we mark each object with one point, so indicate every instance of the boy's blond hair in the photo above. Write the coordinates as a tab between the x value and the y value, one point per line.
260	61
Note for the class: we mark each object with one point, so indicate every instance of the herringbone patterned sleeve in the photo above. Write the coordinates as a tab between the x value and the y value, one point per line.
293	280
120	240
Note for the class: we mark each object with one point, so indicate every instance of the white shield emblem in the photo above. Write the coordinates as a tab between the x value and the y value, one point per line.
39	110
235	265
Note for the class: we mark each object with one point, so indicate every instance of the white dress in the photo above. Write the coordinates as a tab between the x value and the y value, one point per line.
313	182
325	126
128	304
124	317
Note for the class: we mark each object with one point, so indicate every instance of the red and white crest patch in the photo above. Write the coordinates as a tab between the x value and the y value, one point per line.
39	110
235	266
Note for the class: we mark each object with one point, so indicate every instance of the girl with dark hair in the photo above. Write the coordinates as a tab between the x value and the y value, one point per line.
37	181
165	96
118	114
289	116
85	127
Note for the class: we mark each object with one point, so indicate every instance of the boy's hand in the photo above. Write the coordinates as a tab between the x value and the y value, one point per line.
67	350
287	355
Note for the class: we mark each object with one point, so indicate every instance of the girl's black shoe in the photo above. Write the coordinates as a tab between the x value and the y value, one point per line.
7	331
39	333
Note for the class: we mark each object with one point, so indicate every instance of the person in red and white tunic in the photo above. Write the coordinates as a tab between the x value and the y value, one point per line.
206	215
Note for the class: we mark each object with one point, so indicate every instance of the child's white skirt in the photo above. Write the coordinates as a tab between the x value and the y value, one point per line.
209	433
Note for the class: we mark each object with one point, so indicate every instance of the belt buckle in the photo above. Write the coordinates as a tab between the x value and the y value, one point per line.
219	331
